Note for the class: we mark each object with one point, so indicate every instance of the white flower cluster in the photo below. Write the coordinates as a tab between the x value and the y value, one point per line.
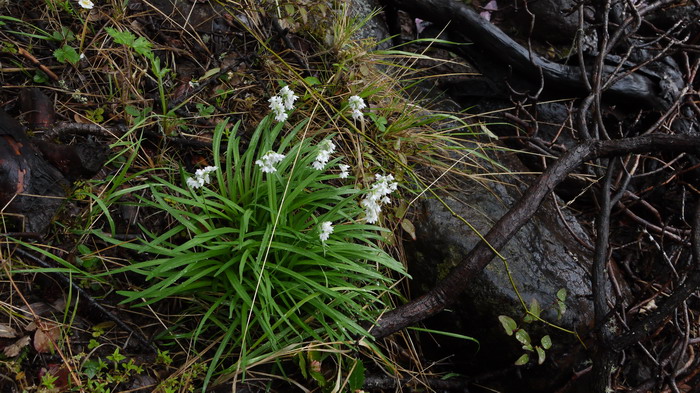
87	4
356	104
325	230
201	177
325	149
268	161
343	171
282	103
377	196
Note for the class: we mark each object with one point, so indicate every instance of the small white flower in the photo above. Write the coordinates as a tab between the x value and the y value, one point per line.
194	182
377	196
281	116
201	177
204	173
326	148
356	104
325	231
82	56
372	210
87	4
277	107
343	171
289	97
268	161
327	145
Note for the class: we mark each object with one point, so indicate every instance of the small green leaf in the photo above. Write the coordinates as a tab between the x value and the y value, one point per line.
93	344
312	81
409	228
508	323
302	364
546	342
534	311
204	110
96	115
116	357
540	355
121	37
522	336
210	73
289	8
132	110
522	360
561	294
91	368
66	54
40	77
143	47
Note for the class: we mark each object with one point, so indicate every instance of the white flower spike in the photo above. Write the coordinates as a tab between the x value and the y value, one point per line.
356	104
343	171
87	4
277	107
289	97
377	196
282	103
325	231
268	161
201	177
326	148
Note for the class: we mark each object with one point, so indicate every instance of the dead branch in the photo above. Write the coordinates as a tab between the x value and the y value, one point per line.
446	291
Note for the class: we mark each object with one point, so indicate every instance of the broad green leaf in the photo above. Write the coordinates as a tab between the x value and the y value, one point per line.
540	355
546	342
66	54
508	324
408	226
534	311
143	47
561	294
522	360
121	37
522	336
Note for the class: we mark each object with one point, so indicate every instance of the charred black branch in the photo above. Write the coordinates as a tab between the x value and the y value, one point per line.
644	327
447	290
464	22
94	304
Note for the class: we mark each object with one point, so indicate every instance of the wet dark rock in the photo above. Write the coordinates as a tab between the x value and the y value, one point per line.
376	27
543	258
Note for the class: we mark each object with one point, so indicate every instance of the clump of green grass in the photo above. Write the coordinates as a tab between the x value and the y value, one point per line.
249	249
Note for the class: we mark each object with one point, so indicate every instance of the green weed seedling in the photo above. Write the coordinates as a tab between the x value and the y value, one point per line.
511	328
67	54
144	48
521	335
